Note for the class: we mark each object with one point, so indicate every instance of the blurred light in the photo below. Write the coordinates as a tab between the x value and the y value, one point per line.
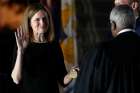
10	14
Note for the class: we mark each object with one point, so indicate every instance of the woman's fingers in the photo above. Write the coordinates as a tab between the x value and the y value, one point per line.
19	36
73	73
76	68
19	33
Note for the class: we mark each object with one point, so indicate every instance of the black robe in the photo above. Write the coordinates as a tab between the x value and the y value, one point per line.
112	67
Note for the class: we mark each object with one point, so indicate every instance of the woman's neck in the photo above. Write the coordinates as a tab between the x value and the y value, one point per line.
39	38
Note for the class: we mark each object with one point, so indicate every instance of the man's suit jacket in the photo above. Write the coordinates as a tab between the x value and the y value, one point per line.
112	67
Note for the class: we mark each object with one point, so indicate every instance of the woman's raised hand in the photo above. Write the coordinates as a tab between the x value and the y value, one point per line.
22	38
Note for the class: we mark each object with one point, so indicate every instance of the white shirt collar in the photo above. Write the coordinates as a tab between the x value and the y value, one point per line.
137	17
125	30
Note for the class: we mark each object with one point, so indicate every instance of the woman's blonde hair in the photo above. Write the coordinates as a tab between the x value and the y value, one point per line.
28	14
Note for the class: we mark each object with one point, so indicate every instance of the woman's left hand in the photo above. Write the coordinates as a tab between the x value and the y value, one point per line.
74	72
71	75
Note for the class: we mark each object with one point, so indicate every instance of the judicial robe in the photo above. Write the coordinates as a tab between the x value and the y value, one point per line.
112	67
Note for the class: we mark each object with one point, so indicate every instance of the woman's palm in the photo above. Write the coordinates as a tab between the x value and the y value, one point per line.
22	38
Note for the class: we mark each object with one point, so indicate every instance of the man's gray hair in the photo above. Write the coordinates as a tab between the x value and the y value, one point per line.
123	16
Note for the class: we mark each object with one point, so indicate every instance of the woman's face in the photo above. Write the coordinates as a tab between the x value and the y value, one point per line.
39	22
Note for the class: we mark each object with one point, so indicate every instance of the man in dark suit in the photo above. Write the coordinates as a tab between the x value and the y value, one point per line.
135	4
114	66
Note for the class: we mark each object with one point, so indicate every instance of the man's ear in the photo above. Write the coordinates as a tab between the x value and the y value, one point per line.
113	26
113	29
134	5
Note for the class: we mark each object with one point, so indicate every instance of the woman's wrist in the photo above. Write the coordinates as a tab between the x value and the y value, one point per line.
20	51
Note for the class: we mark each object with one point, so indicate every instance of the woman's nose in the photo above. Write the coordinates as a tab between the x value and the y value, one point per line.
42	22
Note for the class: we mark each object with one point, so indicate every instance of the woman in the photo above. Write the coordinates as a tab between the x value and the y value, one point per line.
39	62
